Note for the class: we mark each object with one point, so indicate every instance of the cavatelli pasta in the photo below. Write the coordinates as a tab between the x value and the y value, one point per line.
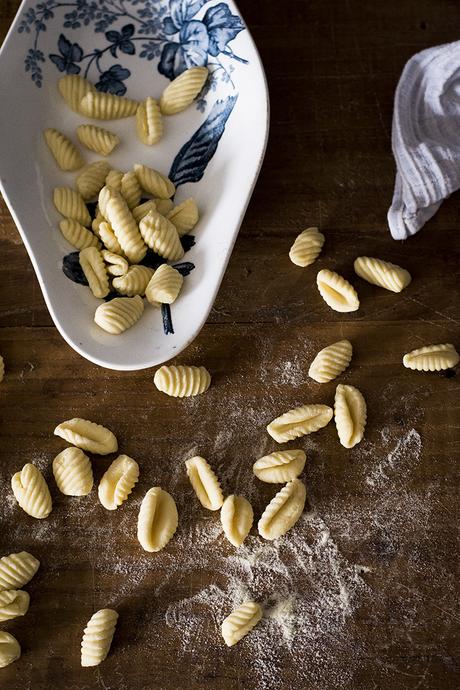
116	265
134	281
70	204
161	236
87	435
331	361
77	235
280	467
182	91
350	415
66	155
116	211
97	139
236	516
108	238
164	206
106	106
92	178
97	220
205	483
114	179
182	381
72	89
93	267
98	636
184	216
13	603
283	511
241	621
131	189
149	123
10	649
299	422
307	247
158	519
73	472
337	292
119	314
164	286
118	482
31	492
140	211
382	273
17	569
154	182
432	358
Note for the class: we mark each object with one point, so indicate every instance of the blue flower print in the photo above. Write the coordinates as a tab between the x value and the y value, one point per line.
111	81
70	54
121	40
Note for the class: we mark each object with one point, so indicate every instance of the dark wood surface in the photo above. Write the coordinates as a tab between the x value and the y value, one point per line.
390	505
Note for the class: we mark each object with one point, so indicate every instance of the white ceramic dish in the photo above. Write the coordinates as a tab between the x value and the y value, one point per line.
127	49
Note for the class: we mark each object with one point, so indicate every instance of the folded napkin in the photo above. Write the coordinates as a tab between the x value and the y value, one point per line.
425	137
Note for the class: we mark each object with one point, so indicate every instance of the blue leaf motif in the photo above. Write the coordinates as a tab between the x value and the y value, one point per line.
191	161
167	320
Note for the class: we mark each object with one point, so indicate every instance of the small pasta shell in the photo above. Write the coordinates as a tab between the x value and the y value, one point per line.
70	204
13	603
131	189
205	483
280	467
382	273
149	123
307	247
182	91
118	482
161	236
154	182
337	292
106	106
299	422
97	139
17	569
77	235
115	209
108	238
73	88
91	179
236	516
184	217
98	636
182	381
2	368
31	492
432	358
164	286
73	472
331	361
241	621
140	211
10	649
116	265
164	206
66	155
93	267
283	511
158	520
87	435
114	179
350	415
134	282
119	314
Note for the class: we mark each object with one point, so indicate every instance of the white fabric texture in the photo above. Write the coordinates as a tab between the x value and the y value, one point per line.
425	137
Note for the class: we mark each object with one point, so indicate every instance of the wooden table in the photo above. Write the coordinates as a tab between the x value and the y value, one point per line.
368	578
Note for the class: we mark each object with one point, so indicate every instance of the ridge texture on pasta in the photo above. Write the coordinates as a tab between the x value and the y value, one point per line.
108	238
115	209
164	286
73	88
241	621
154	182
13	603
337	292
17	569
161	236
331	361
149	123
106	106
140	211
283	511
182	91
73	472
66	155
432	358
119	314
77	235
299	422
131	189
31	491
98	636
350	415
382	273
87	435
158	519
118	482
134	281
97	139
205	483
307	247
93	267
184	216
10	649
164	206
70	204
116	265
91	179
280	467
182	381
114	179
236	516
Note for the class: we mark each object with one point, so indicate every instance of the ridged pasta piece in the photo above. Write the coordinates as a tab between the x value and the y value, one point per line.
2	368
131	189
236	516
98	636
114	179
66	155
31	491
283	511
241	621
118	482
205	483
158	519
119	314
307	247
116	265
140	211
77	235
382	273
70	204
10	649
184	216
299	422
331	361
161	236
97	139
73	88
97	220
73	472
93	267
432	358
134	282
164	286
154	182
107	106
350	415
337	292
87	435
116	211
17	569
280	467
13	603
183	90
182	381
164	206
108	238
149	123
92	178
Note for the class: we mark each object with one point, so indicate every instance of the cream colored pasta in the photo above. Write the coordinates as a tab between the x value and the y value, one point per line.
157	520
382	273
164	206
114	179
77	235
183	90
182	381
331	361
107	236
118	482
161	236
241	621
134	282
140	211
13	603
119	314
164	286
432	358
154	182
73	472
337	292
31	492
149	123
283	511
17	569
131	189
116	211
116	265
184	217
97	139
87	435
107	106
98	636
307	247
205	483
97	220
10	649
236	516
350	415
280	467
93	267
66	155
299	422
2	369
92	178
70	204
73	88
